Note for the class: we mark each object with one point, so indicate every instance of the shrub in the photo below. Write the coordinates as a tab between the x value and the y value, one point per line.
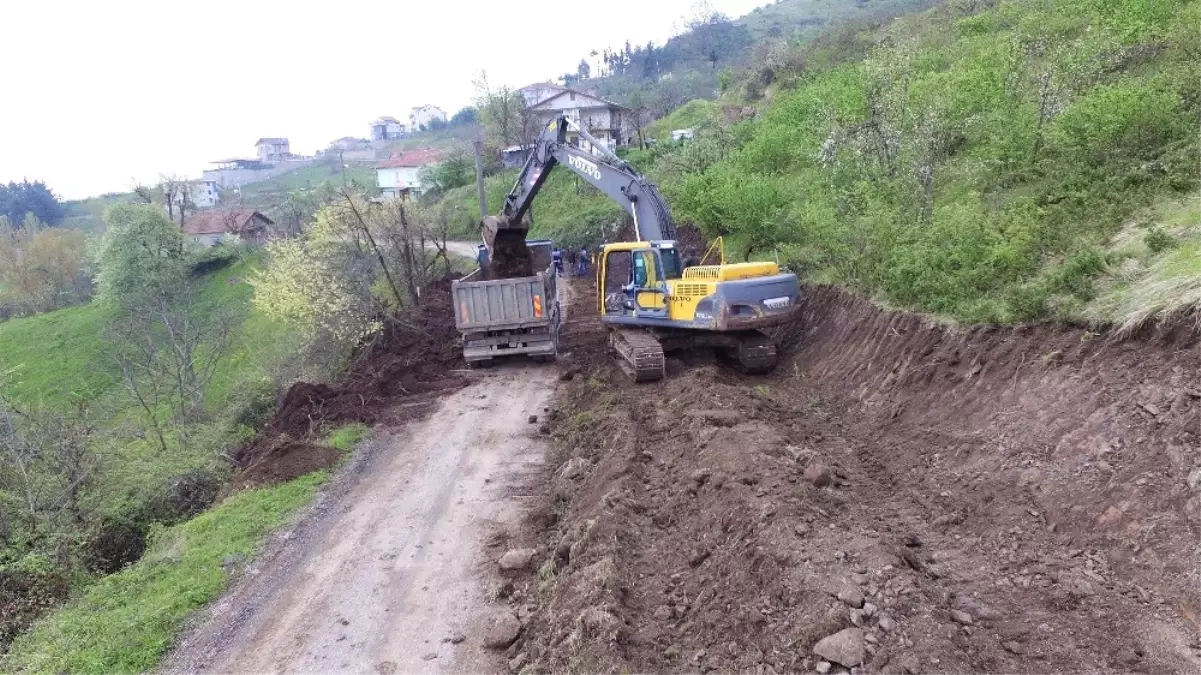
1158	241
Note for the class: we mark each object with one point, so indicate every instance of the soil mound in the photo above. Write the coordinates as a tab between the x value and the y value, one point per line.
511	257
992	500
411	358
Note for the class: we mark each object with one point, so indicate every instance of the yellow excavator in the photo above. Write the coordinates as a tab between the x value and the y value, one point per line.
651	302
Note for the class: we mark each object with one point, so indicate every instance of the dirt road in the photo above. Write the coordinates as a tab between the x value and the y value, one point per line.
467	249
391	561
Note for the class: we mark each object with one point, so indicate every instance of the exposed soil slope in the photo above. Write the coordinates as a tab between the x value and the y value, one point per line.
410	359
996	500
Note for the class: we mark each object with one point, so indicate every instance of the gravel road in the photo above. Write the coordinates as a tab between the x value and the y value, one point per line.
389	563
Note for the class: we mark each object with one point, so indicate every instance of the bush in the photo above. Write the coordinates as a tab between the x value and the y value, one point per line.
1158	241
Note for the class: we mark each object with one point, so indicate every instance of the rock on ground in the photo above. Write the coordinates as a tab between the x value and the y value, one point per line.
503	632
851	596
517	559
844	647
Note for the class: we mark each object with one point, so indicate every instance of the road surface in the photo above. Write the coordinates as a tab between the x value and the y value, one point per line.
390	562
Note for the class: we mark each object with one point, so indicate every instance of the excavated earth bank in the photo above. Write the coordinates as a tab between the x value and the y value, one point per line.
991	500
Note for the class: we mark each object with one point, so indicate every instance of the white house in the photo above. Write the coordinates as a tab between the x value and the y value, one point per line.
601	118
273	149
400	177
387	129
533	94
422	115
200	194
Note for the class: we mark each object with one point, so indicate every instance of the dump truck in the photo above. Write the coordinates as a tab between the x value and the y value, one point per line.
502	317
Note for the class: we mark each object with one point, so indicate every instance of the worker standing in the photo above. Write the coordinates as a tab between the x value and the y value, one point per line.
583	271
557	261
572	261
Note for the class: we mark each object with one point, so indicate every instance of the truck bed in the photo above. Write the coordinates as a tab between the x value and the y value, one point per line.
499	317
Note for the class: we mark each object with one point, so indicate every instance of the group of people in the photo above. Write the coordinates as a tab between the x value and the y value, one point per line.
577	261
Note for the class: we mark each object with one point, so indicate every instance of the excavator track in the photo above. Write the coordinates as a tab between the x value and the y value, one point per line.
754	355
639	353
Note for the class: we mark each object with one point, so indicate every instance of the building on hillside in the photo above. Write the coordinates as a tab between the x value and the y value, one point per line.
273	149
199	194
533	94
421	116
683	134
243	164
351	149
515	156
601	118
387	129
226	226
349	143
400	176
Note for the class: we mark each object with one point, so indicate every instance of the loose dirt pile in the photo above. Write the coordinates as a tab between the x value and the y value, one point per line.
897	497
392	379
510	256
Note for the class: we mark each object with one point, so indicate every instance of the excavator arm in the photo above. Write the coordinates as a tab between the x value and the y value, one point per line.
607	172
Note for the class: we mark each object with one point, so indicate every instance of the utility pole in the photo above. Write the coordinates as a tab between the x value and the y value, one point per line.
477	145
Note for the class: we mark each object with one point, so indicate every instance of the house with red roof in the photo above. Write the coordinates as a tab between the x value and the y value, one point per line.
400	176
226	226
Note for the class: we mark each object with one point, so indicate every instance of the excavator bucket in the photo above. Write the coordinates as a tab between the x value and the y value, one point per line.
505	239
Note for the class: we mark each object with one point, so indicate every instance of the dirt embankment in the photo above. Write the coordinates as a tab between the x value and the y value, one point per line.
392	379
995	500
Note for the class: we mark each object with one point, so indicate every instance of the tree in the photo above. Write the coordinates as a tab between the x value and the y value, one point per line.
456	170
48	459
322	283
466	115
142	254
500	111
639	115
177	191
165	343
20	199
583	70
42	268
167	348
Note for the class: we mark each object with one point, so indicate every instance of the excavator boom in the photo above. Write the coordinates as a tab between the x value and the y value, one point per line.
601	168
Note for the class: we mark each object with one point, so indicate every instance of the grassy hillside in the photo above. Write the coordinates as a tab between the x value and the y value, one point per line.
800	19
568	210
263	194
975	164
88	214
127	621
58	356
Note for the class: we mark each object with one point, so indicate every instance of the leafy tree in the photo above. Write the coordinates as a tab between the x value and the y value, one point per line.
142	254
583	71
42	268
455	170
165	343
466	115
20	199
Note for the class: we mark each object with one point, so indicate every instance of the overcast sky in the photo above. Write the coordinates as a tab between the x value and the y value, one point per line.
101	94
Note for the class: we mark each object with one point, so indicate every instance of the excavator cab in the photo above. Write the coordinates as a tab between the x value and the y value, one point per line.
632	279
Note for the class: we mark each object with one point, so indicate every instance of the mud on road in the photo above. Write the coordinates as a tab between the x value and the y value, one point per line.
897	497
391	565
